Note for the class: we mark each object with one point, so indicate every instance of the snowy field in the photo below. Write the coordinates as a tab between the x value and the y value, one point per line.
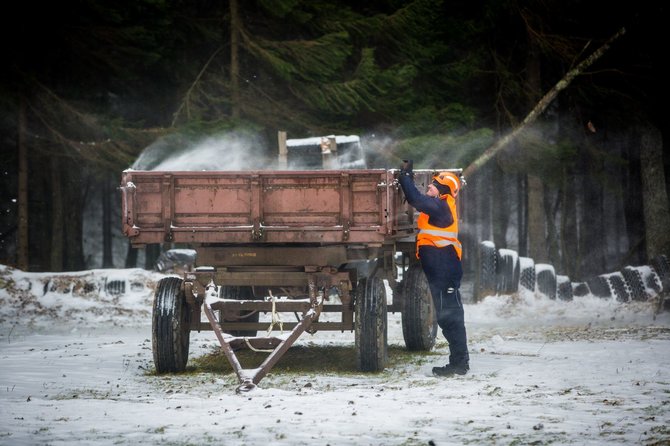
76	368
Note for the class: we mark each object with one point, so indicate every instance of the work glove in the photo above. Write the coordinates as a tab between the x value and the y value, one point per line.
406	168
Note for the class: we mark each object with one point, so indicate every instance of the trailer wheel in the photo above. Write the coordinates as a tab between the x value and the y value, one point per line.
419	320
239	293
170	326
370	326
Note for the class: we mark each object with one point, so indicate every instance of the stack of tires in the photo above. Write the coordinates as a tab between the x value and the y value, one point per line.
504	272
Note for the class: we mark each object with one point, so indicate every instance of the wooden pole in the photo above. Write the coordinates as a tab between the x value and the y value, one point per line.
283	150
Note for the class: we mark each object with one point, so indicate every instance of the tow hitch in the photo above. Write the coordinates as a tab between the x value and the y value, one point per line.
249	378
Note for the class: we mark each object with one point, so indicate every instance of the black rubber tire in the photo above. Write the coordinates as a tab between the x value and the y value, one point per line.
545	280
600	287
662	267
620	289
419	320
651	280
633	278
580	289
564	288
527	273
507	272
240	293
370	324
485	280
170	326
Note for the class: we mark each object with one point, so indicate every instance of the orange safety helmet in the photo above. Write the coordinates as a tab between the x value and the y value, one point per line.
450	180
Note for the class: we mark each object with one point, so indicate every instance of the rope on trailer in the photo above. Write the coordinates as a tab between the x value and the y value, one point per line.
275	320
275	316
252	348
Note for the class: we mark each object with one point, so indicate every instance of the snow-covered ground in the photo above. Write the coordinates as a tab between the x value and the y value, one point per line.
76	367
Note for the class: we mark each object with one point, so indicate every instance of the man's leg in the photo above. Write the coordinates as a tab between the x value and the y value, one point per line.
443	270
451	319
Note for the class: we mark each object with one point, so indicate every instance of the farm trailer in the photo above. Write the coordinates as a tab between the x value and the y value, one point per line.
281	242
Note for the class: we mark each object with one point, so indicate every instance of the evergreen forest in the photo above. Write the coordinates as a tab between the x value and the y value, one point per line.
556	111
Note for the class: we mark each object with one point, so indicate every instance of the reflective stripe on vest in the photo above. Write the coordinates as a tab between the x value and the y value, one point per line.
439	233
436	236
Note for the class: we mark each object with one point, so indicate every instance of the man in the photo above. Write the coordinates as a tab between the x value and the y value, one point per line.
439	251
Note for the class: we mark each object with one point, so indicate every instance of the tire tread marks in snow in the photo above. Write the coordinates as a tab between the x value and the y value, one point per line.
170	326
370	325
419	320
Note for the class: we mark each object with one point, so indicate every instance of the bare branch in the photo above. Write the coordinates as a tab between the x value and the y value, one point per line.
187	96
541	105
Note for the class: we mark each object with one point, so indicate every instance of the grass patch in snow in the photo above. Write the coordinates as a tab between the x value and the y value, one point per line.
311	358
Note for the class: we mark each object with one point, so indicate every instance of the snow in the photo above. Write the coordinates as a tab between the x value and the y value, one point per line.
77	367
316	140
541	267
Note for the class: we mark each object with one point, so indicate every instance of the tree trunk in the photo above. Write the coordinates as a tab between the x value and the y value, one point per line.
22	242
537	237
40	229
569	244
536	215
57	217
591	233
655	197
522	214
107	254
500	208
552	203
234	59
75	194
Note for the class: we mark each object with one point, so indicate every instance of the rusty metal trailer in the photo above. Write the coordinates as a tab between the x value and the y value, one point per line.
271	242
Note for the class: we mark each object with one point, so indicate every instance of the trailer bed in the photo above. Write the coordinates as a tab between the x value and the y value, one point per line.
326	206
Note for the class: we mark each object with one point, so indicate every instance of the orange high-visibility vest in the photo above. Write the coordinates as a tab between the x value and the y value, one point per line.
437	236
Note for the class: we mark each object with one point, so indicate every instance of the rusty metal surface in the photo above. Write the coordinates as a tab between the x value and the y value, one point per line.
249	378
339	206
299	232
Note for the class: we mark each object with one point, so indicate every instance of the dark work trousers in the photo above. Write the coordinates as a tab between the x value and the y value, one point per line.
444	271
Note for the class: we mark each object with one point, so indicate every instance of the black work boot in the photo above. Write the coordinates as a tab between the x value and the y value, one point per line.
451	369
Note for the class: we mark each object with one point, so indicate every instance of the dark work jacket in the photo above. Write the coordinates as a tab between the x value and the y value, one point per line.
438	210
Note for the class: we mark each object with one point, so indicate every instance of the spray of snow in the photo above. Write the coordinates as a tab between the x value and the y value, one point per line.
226	151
